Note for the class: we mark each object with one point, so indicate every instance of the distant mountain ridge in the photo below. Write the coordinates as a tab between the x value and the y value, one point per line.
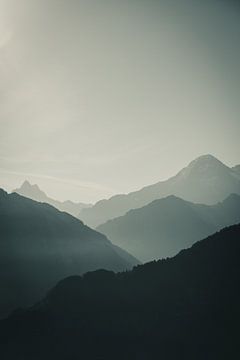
165	226
35	193
205	180
185	308
39	245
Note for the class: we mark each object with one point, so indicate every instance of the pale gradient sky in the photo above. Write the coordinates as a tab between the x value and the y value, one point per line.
99	97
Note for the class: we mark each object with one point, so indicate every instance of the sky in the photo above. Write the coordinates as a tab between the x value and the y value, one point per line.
99	97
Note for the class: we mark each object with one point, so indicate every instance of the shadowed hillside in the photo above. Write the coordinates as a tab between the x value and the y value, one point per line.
39	245
236	170
186	307
166	226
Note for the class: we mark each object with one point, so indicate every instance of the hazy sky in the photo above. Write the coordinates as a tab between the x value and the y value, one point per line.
99	97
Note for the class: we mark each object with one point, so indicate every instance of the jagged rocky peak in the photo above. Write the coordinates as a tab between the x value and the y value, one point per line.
27	185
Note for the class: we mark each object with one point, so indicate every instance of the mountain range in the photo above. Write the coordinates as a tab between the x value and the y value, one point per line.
165	226
185	308
35	193
39	245
205	180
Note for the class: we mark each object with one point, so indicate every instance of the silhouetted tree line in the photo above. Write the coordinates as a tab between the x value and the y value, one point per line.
186	307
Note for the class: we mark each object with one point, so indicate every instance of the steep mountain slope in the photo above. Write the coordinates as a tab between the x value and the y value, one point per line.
39	245
35	193
186	307
205	180
165	226
236	170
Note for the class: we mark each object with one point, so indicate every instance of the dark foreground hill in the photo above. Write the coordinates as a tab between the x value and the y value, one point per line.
205	180
166	226
186	307
40	245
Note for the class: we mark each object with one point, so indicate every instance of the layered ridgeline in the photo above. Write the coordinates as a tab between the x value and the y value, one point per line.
205	180
166	226
39	245
35	193
186	307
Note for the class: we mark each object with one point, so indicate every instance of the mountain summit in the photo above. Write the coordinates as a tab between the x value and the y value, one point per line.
35	193
32	192
205	180
205	165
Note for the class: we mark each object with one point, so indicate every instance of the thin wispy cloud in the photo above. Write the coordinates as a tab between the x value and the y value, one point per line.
82	185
